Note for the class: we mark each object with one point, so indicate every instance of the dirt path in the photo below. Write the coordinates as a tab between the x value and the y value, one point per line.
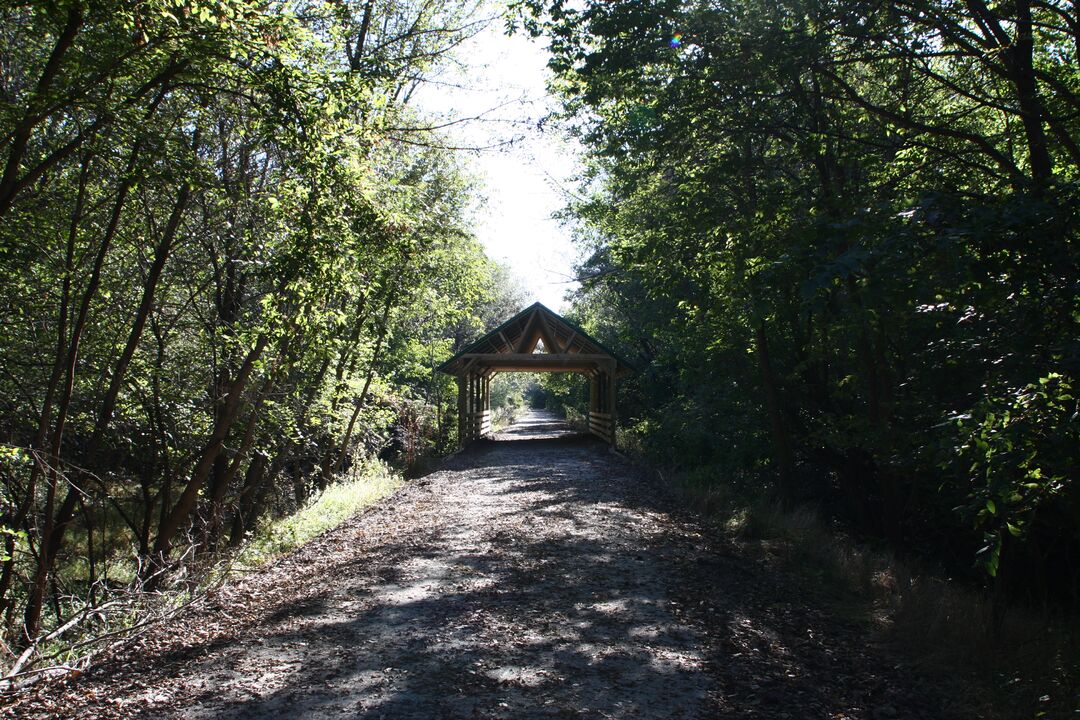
527	579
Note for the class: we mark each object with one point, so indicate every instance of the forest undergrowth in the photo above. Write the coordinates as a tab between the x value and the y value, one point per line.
841	243
1008	659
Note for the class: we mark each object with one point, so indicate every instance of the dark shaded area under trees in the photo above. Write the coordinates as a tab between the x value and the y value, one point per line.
842	239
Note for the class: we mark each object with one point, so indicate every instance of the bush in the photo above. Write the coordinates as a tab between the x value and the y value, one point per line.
1019	455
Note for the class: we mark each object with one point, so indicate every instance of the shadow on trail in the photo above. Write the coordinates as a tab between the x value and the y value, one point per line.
570	652
624	610
539	425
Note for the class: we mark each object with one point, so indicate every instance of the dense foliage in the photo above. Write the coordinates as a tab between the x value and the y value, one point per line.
843	239
230	255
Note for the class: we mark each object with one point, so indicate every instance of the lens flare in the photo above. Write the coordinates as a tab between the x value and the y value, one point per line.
676	40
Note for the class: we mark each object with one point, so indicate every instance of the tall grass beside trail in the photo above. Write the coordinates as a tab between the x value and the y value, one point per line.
325	511
1012	662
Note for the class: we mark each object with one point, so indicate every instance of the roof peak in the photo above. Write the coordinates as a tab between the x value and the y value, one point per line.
520	335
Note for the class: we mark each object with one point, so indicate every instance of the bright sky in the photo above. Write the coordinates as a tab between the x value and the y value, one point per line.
502	79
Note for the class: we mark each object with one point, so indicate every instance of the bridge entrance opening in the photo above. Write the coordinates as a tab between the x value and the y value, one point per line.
537	339
535	406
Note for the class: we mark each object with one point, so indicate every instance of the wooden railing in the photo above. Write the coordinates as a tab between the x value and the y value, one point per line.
477	424
602	425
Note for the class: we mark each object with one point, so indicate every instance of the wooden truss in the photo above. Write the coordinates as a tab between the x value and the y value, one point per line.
535	340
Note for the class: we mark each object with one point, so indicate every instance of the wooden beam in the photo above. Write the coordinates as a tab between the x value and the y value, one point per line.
467	364
493	359
527	335
550	343
542	368
537	362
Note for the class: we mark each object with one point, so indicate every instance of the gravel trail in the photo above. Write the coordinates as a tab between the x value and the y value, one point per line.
540	578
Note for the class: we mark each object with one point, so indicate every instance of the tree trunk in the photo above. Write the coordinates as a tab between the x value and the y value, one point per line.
782	445
1021	59
334	457
66	512
146	305
20	138
186	503
45	418
245	504
36	592
217	494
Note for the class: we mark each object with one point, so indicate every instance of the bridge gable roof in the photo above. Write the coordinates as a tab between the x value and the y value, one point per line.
512	346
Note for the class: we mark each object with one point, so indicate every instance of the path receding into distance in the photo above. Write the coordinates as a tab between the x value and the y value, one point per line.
535	576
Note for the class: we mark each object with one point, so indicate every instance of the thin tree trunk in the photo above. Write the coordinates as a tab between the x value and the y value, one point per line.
33	174
782	446
45	418
66	513
333	458
146	306
217	494
89	550
1021	57
245	504
356	51
20	138
353	339
36	591
186	503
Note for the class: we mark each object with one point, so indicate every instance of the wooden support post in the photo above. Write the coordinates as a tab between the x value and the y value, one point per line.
485	423
461	409
594	401
477	417
602	414
474	417
611	402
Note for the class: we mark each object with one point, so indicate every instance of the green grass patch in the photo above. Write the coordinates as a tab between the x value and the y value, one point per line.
325	511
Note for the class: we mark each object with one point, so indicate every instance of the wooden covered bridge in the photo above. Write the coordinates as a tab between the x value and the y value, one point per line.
535	340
